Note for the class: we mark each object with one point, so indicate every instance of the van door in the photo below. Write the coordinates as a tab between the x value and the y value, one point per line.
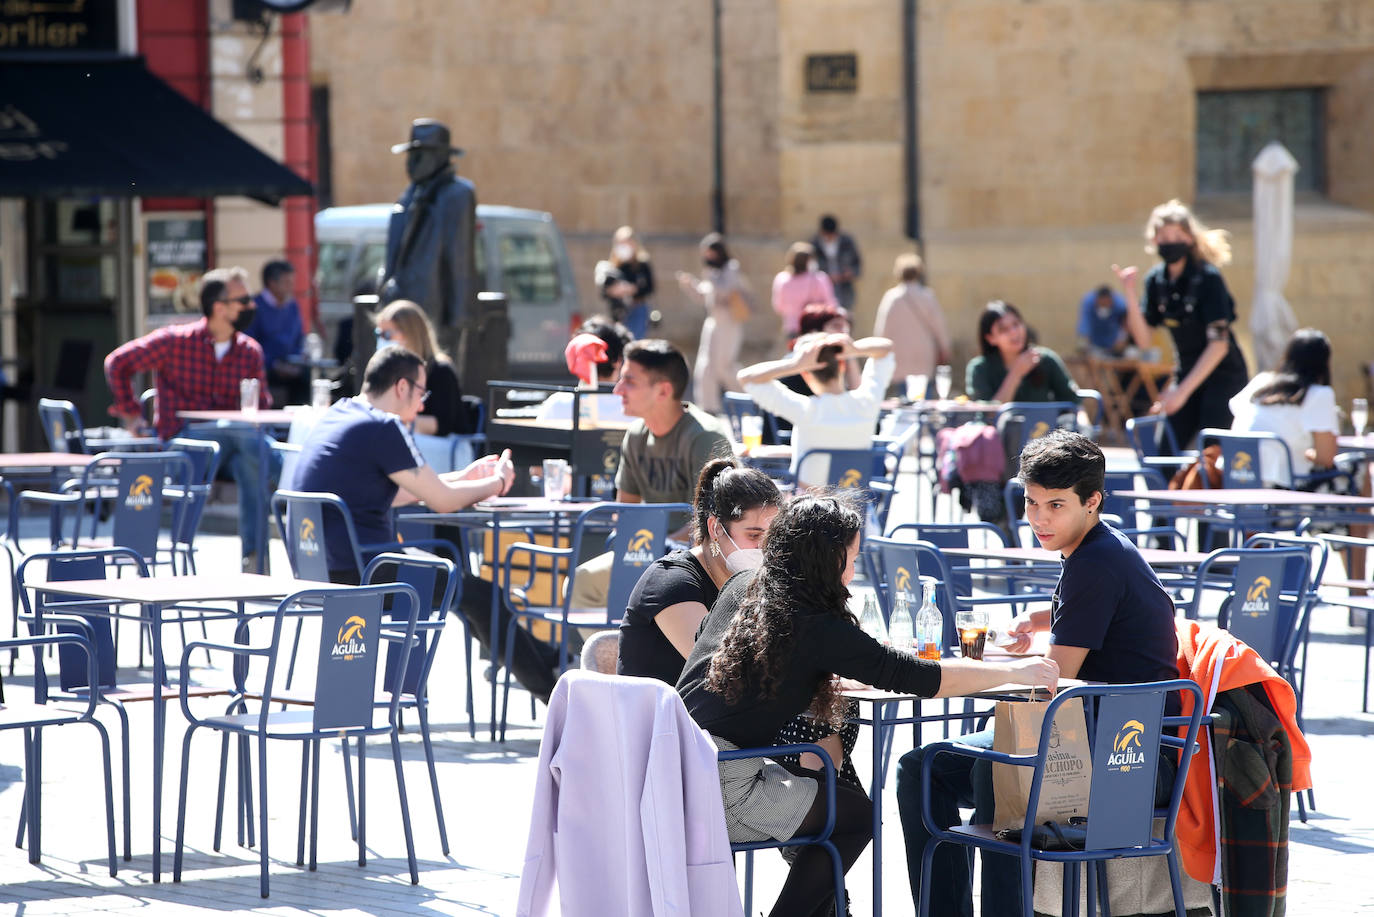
540	295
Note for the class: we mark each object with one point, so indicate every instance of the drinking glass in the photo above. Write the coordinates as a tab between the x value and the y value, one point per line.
321	393
248	396
1359	415
944	376
556	478
973	632
916	387
751	431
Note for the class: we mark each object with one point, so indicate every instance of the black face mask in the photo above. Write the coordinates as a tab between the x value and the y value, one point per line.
245	319
1173	251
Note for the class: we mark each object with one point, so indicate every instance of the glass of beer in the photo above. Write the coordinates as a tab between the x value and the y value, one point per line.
751	431
973	632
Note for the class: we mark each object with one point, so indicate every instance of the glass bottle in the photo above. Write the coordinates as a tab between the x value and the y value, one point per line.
871	621
900	628
930	624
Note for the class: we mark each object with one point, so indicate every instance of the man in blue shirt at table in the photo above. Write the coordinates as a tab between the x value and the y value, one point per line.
1102	322
1110	621
276	325
361	451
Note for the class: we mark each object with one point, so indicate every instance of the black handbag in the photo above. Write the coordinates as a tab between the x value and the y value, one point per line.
1052	835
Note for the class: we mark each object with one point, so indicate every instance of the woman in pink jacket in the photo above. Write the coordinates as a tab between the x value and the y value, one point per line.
799	283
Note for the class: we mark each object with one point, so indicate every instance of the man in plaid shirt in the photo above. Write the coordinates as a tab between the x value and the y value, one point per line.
199	367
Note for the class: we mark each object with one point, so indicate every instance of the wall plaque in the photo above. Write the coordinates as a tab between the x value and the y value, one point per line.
832	73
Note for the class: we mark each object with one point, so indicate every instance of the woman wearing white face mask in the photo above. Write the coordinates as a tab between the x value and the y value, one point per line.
733	508
626	281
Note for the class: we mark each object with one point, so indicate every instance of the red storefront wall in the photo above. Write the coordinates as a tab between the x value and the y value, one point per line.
174	39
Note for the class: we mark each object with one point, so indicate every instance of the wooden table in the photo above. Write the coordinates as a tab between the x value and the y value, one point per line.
150	594
256	419
1106	375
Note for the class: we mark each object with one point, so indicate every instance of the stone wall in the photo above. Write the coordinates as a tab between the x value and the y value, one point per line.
1048	129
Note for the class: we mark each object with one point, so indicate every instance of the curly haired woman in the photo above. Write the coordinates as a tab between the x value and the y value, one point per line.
770	648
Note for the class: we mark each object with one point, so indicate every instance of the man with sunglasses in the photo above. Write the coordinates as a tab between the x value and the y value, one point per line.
199	367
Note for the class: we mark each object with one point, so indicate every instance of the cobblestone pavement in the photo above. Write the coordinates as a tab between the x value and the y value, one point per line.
487	789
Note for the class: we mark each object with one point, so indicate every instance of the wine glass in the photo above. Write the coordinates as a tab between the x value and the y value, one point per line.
944	376
1359	415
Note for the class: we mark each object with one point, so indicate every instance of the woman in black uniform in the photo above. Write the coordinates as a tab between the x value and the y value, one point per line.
1185	293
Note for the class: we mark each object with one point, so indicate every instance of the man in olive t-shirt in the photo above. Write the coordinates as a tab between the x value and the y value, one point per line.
661	454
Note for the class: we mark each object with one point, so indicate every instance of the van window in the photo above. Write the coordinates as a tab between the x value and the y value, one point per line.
529	268
332	278
369	263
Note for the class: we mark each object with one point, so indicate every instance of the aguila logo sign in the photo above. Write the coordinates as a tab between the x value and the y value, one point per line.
1242	467
1039	430
641	548
1127	753
849	479
1257	597
349	642
140	493
308	543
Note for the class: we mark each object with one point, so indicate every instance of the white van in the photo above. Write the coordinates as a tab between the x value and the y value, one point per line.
519	252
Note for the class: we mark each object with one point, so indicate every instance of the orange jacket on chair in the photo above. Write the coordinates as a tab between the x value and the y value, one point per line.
1219	662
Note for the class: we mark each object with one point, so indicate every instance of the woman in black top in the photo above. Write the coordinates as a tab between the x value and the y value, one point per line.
733	508
770	648
404	324
1186	294
626	280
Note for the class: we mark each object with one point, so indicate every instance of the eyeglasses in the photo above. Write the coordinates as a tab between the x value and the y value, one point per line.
382	335
415	387
243	300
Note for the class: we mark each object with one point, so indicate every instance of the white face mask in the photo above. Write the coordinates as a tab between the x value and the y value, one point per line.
624	251
741	559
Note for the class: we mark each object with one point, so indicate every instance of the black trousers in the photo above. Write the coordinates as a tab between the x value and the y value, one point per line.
809	888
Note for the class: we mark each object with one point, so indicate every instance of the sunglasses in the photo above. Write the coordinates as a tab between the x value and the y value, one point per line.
382	335
241	300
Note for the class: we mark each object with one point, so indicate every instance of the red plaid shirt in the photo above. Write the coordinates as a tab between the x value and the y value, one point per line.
189	378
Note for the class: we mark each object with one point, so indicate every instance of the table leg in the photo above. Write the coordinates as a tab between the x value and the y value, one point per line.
875	789
159	732
494	650
264	477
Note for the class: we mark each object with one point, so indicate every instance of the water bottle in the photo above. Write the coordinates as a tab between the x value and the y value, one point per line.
930	624
900	627
871	621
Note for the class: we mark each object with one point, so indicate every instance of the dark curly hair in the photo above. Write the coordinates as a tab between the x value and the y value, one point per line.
804	557
728	490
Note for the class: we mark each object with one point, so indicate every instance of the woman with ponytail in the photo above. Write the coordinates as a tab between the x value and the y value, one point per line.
1186	294
732	510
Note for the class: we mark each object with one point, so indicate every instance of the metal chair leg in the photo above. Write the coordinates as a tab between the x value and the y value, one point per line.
405	808
422	713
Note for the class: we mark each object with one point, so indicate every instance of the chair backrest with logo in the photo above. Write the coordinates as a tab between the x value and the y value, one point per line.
1266	601
897	569
435	581
640	538
301	518
144	483
61	425
88	618
1251	459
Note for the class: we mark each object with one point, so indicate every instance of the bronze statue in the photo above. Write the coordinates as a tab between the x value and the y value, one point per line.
429	246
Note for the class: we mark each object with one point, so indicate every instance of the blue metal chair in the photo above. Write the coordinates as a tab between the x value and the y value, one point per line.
1095	415
640	538
64	431
37	714
1030	420
352	626
863	471
1128	733
820	839
301	517
1154	443
204	457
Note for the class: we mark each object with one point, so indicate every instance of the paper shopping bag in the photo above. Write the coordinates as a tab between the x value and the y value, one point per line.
1068	765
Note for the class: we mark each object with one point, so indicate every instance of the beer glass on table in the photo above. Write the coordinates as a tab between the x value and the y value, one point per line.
973	632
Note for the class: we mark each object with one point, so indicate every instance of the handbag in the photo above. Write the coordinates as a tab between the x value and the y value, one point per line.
1052	835
738	305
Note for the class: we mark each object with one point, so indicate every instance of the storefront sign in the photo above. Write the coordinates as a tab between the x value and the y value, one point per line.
59	25
832	73
176	259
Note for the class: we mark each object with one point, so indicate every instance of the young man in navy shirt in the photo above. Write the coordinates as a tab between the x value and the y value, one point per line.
1110	621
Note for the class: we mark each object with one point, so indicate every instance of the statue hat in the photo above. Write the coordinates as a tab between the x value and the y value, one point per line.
426	132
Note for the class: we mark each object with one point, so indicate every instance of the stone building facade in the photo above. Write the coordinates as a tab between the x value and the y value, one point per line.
1046	131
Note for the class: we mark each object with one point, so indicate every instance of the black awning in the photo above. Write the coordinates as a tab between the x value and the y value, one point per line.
78	127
